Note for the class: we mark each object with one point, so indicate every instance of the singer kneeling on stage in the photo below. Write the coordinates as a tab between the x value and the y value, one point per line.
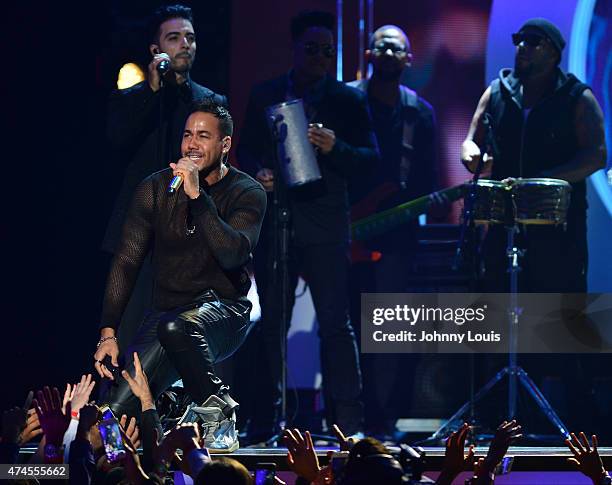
201	218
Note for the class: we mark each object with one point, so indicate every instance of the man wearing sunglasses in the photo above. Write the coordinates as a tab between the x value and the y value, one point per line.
405	128
342	135
545	123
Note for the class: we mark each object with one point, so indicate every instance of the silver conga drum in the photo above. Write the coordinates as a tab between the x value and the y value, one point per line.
540	200
492	201
296	155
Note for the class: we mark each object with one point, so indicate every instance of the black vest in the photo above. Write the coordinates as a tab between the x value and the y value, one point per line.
545	140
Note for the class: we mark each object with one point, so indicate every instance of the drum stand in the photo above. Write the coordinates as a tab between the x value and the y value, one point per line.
281	280
280	273
516	374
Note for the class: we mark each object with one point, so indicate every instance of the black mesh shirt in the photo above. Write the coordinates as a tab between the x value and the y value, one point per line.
196	244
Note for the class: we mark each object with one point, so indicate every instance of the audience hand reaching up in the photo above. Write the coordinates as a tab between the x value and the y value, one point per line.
68	393
508	433
81	393
53	421
139	384
32	428
345	443
133	469
301	456
586	458
455	460
88	417
132	431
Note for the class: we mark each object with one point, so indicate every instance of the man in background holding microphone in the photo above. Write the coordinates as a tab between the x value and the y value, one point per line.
341	132
201	218
145	124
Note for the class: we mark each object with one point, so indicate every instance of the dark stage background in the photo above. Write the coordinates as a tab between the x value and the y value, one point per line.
64	61
60	64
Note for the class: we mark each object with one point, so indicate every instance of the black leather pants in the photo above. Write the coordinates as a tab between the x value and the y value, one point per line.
184	343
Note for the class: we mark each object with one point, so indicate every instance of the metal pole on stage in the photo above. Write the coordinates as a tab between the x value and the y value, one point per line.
280	269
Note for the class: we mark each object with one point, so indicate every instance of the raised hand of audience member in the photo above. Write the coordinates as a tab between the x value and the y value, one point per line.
455	459
131	430
345	443
88	417
508	433
301	456
53	421
326	474
586	458
68	393
133	470
481	476
81	392
185	437
32	428
162	452
139	384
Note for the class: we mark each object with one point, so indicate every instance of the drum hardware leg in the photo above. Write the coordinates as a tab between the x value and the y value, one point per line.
516	374
281	249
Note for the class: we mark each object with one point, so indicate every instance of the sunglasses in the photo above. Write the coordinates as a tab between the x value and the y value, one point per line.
312	49
532	40
383	47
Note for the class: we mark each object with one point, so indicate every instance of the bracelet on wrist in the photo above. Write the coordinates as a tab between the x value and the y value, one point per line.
104	339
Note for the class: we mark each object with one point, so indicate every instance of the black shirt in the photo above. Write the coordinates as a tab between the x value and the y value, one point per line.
227	218
319	210
133	128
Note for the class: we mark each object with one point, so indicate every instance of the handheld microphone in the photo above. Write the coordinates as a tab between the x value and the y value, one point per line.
163	67
175	184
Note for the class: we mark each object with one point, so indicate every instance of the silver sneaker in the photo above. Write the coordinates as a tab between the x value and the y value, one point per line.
217	430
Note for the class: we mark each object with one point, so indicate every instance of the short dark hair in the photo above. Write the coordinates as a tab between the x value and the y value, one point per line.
167	12
313	18
209	105
370	462
367	446
224	471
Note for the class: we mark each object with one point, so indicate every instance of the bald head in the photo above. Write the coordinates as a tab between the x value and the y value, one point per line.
390	32
389	53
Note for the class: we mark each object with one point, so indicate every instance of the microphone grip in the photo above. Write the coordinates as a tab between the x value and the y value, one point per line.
175	184
163	66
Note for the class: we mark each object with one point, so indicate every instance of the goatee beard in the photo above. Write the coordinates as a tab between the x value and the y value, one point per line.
522	73
388	75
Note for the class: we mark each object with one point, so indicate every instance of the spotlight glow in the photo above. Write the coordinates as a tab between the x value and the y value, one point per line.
129	75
